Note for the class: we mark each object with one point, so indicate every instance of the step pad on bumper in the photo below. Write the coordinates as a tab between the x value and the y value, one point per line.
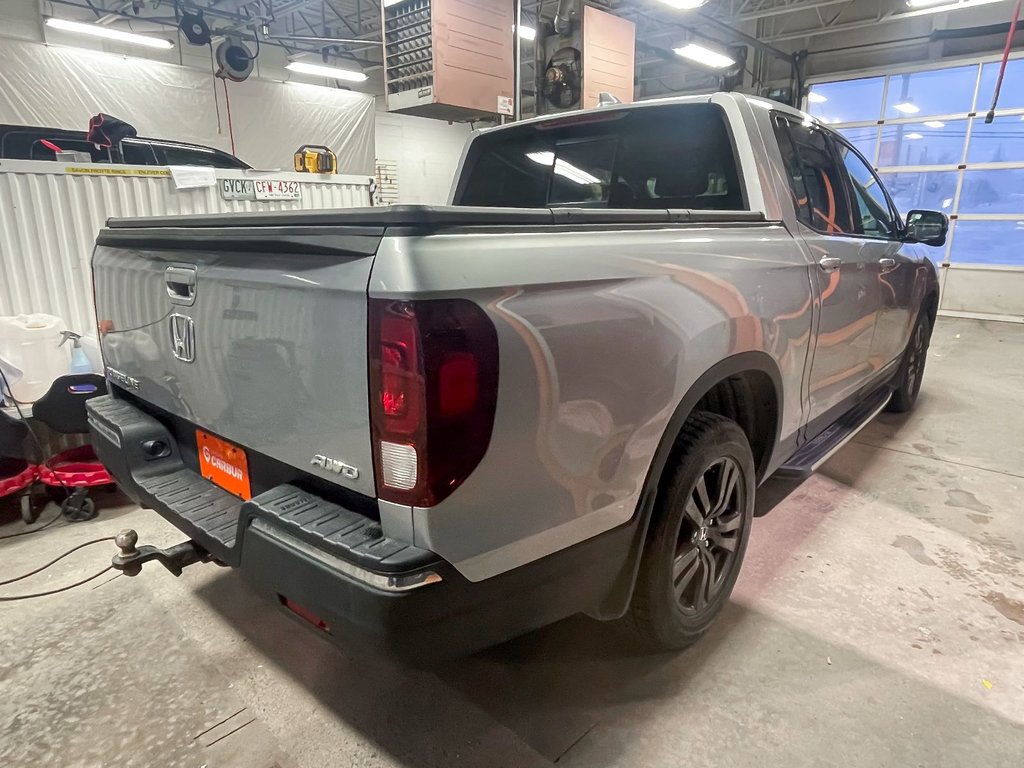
212	510
332	528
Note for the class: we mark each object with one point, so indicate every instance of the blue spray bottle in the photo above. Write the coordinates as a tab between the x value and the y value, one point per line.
79	361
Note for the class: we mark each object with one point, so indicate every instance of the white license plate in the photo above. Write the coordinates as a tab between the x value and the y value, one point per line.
274	189
237	189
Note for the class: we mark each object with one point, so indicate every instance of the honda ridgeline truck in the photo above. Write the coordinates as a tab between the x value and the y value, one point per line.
440	427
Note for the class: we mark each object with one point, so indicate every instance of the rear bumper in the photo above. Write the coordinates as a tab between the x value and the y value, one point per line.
336	565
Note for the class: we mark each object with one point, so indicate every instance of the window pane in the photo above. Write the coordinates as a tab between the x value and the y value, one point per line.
930	190
1012	94
1000	142
668	157
993	192
864	139
825	186
988	242
871	212
582	171
137	153
179	155
935	92
794	174
934	143
847	101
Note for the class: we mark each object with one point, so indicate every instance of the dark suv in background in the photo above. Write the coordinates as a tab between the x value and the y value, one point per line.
22	142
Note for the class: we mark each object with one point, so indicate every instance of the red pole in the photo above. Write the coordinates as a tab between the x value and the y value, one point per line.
1002	67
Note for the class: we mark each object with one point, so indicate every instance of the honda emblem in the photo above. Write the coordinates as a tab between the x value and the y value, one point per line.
183	338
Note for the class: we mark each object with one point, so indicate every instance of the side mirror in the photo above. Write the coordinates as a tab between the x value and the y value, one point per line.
928	227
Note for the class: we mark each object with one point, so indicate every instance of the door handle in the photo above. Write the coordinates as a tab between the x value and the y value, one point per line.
887	264
830	263
181	284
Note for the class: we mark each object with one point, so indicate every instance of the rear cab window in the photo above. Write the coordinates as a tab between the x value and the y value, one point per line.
678	156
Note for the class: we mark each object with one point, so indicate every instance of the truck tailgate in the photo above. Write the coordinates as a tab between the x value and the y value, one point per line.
256	335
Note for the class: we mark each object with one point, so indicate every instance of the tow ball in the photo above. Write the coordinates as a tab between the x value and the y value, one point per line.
130	557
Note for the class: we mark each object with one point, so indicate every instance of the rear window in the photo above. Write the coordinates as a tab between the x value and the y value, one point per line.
677	156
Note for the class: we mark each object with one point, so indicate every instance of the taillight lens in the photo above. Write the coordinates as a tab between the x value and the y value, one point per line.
433	391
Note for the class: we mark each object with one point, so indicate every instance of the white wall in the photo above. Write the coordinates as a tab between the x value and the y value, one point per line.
273	112
427	153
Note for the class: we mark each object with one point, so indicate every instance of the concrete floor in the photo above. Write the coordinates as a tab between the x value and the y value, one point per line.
878	621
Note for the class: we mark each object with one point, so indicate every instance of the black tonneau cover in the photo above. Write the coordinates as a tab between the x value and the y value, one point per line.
437	216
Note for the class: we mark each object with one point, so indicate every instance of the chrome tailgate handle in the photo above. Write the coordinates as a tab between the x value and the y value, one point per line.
887	264
830	263
181	285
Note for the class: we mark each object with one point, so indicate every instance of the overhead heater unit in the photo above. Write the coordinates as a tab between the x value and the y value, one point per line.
449	59
593	55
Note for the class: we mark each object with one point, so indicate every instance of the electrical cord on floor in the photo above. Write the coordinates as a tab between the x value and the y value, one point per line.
42	568
47	524
58	590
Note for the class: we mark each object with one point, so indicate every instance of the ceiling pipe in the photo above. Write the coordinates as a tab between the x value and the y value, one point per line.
563	15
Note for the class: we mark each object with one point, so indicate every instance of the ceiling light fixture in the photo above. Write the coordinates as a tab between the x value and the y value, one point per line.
922	7
816	98
704	56
907	107
914	135
527	33
94	30
685	5
335	73
935	123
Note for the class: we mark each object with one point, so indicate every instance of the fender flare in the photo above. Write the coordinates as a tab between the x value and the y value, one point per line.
616	602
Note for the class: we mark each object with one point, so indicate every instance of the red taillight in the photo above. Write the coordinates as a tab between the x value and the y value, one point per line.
433	391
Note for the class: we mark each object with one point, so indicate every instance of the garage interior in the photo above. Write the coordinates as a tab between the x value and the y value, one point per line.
878	619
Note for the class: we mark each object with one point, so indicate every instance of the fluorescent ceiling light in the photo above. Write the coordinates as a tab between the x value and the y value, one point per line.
914	135
336	73
922	7
685	5
816	98
934	123
907	107
562	168
527	33
95	30
704	56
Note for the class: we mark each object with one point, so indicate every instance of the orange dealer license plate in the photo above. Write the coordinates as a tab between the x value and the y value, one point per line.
222	463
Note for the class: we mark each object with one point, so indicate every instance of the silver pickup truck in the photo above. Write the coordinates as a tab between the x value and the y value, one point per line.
442	427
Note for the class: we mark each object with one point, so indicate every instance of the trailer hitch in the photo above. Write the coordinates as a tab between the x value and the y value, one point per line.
130	557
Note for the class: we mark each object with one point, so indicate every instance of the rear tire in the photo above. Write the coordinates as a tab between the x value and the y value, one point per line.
698	534
908	381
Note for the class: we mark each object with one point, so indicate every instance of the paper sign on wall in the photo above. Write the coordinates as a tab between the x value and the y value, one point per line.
505	105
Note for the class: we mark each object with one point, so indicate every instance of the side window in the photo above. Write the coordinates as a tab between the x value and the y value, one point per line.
137	153
872	215
824	188
794	174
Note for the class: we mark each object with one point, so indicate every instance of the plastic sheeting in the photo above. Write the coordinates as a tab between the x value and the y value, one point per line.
49	220
63	87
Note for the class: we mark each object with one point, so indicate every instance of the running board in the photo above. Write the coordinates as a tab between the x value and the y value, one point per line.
813	454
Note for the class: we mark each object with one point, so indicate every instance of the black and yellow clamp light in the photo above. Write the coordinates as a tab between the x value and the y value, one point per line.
314	158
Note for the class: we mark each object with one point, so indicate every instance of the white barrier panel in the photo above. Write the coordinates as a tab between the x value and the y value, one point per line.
50	214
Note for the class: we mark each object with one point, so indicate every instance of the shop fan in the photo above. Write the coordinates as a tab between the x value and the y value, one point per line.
563	79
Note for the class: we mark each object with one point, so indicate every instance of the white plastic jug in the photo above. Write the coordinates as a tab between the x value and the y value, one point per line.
29	342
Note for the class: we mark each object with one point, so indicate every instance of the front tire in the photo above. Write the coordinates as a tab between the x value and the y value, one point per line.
698	534
908	382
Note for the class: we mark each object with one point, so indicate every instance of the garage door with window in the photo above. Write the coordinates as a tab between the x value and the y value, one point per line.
925	133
